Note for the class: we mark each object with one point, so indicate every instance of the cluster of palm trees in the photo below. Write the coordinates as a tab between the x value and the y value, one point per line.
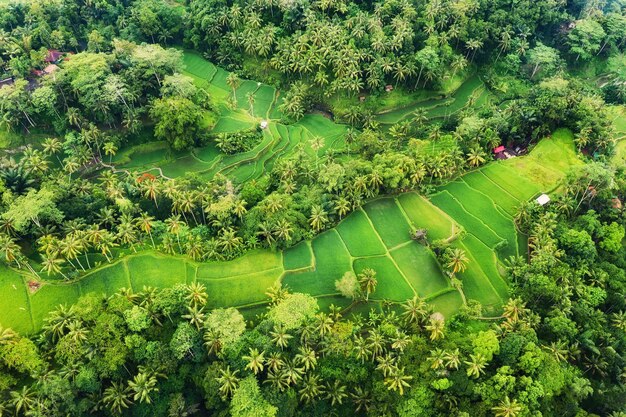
293	359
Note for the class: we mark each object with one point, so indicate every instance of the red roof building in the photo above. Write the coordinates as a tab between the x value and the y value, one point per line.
499	149
53	56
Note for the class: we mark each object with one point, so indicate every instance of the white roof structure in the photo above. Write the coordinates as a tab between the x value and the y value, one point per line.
543	199
263	124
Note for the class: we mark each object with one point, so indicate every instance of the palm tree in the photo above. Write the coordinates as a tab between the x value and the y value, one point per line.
475	157
415	311
255	360
361	399
151	190
195	316
368	282
251	99
142	385
476	365
196	294
386	364
317	143
10	250
52	146
110	149
507	408
323	324
514	309
277	379
437	358
106	243
361	349
52	265
318	218
306	357
71	247
233	82
342	206
228	381
453	359
457	260
336	392
229	241
145	223
117	397
174	225
398	381
311	389
23	400
280	337
436	326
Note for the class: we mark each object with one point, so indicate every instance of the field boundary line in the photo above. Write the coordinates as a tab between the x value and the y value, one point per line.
499	186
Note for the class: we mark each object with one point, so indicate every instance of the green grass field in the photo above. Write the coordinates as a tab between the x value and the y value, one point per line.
389	221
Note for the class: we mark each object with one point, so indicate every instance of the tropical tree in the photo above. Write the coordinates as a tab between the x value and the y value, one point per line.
228	381
368	282
507	408
117	397
143	385
398	380
255	360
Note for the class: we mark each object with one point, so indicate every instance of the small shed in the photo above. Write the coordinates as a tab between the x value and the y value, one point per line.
499	149
616	203
263	124
51	68
6	81
543	199
388	88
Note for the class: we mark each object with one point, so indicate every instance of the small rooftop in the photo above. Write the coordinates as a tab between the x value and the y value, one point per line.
543	199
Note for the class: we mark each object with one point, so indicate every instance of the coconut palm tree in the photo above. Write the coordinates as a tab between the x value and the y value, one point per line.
342	206
52	265
361	399
24	400
361	349
311	389
106	243
386	364
72	246
110	149
250	98
255	360
228	381
397	380
233	82
142	386
117	397
336	392
229	241
436	327
476	365
453	359
318	218
196	294
277	379
151	188
126	233
437	358
368	282
174	225
507	408
475	156
52	146
283	230
145	223
10	250
457	260
415	310
306	357
280	337
196	316
323	324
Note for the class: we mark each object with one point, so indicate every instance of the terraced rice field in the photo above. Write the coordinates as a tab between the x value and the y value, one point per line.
404	268
472	92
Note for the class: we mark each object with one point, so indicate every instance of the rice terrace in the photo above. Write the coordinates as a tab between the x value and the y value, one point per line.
390	208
